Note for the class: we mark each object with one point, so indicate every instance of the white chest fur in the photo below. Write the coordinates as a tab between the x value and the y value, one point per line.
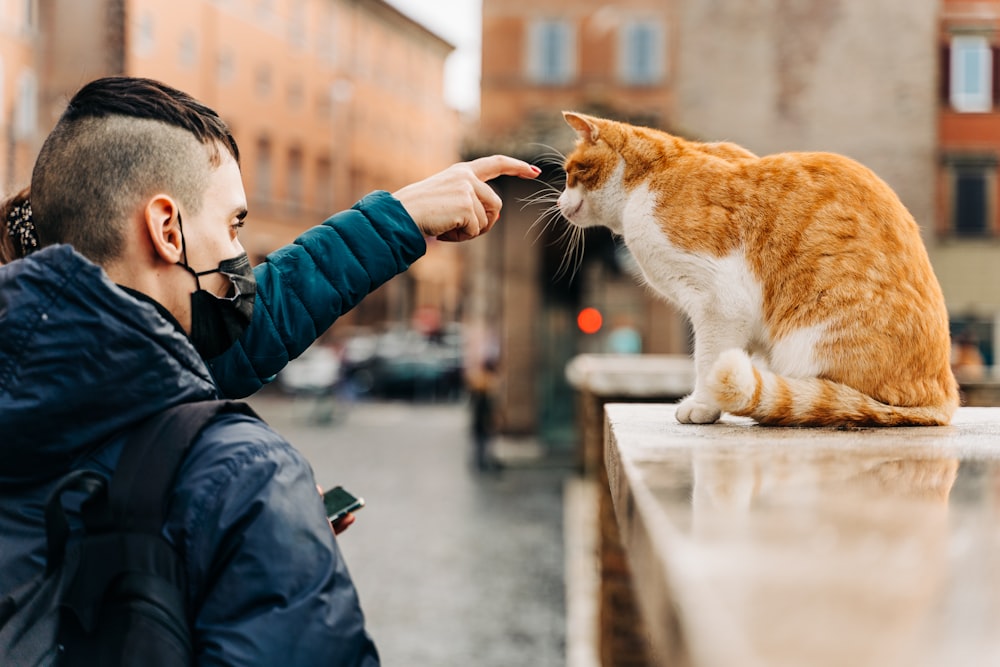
700	284
721	295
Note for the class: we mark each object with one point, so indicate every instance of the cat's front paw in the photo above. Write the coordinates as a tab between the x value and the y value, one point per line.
693	410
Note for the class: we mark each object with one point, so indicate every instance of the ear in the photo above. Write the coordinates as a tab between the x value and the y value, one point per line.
586	126
161	220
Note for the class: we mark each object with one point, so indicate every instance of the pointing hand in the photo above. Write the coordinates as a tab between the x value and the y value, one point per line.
456	204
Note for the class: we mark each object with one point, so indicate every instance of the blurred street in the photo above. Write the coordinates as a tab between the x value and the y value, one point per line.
453	567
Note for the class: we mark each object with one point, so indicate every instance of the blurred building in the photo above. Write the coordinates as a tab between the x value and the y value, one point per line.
328	99
966	255
851	77
19	37
539	58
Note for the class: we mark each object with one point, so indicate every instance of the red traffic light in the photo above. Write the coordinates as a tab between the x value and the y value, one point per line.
589	320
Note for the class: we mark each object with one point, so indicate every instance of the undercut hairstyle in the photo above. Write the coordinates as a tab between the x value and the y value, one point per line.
120	141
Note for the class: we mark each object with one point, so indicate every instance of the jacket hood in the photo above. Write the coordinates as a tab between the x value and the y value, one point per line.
80	360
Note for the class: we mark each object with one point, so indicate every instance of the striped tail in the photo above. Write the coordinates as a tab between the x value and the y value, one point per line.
773	400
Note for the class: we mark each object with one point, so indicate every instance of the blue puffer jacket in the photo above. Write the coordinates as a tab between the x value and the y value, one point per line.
303	287
81	361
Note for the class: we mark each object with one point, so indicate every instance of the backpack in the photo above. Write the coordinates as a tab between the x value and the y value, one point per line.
117	596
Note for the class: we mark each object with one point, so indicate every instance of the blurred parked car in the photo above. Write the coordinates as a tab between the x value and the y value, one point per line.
314	379
405	364
316	371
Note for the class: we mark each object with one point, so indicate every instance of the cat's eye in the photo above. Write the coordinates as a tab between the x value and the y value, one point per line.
581	171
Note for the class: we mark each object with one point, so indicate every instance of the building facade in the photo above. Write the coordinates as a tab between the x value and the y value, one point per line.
966	253
19	115
328	99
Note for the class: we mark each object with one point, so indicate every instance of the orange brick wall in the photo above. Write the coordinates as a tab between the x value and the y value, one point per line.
354	86
17	49
355	96
508	95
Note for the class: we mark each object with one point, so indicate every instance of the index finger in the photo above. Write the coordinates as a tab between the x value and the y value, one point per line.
488	168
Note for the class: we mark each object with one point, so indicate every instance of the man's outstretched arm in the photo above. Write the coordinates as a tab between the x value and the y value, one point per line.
305	286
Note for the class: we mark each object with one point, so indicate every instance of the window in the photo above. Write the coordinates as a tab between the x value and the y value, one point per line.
188	49
324	186
296	94
641	53
3	100
262	81
552	52
295	180
262	176
325	32
971	74
26	109
30	14
265	9
970	203
297	21
971	181
225	66
145	35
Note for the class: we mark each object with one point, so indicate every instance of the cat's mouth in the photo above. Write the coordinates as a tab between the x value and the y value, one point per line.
568	214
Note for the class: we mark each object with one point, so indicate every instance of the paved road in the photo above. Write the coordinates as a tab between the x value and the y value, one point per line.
453	568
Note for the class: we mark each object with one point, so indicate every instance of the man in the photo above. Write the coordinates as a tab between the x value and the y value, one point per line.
136	202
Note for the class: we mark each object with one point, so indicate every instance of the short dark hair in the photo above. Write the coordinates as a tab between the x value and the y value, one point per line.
119	140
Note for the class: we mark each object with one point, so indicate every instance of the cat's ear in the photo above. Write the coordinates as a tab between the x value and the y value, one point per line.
584	125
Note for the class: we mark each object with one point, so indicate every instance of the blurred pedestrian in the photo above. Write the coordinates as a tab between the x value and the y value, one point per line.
483	383
966	358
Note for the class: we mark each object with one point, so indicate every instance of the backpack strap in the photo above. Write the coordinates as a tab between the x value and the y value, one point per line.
124	520
150	459
56	524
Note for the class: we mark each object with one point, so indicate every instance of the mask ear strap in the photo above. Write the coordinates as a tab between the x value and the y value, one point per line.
184	254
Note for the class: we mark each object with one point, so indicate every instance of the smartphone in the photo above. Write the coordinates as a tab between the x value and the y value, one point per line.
339	502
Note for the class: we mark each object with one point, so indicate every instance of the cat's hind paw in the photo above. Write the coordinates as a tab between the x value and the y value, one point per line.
692	410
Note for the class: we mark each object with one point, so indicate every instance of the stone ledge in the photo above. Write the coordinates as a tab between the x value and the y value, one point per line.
753	546
633	375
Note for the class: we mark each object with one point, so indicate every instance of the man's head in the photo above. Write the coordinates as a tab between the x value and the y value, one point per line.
120	141
128	161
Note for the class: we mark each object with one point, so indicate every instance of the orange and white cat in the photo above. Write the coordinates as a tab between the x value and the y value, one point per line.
807	284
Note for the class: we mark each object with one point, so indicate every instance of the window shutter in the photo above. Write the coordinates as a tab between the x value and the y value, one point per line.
995	57
945	74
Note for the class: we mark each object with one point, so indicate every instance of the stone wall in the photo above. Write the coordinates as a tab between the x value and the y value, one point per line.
850	77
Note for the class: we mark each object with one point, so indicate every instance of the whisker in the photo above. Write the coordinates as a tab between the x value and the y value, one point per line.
572	261
543	197
551	155
548	216
567	235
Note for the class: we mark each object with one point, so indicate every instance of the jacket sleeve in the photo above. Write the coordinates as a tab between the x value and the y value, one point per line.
267	581
305	286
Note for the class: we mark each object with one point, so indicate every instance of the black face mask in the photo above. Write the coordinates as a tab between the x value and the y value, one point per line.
216	322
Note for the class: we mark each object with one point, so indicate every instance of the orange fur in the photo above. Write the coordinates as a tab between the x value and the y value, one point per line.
827	243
